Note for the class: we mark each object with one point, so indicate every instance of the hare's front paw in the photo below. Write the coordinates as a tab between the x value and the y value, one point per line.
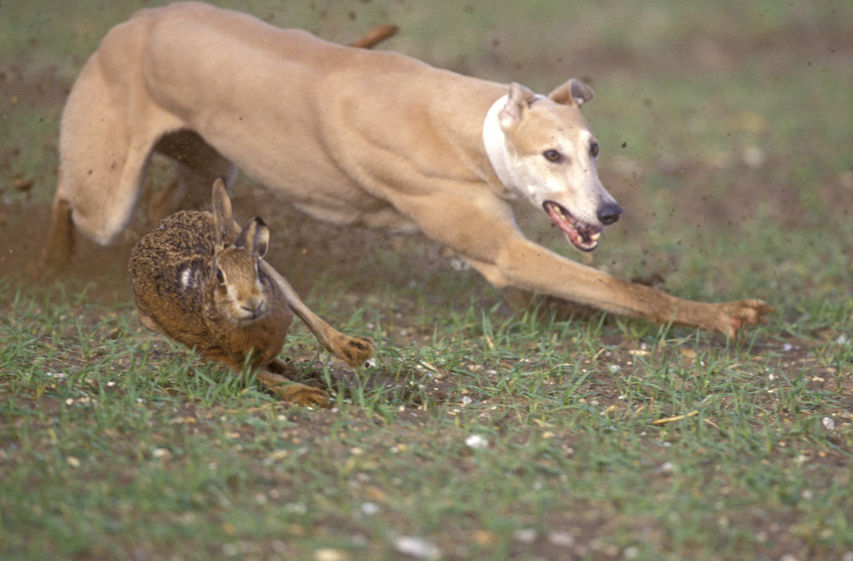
357	350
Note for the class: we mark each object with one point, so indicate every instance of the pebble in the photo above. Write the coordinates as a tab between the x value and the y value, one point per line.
329	554
562	539
525	535
416	547
477	441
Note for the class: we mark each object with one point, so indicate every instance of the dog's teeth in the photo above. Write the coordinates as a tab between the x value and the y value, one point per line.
595	236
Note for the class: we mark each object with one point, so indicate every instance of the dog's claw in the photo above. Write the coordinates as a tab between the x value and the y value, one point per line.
744	312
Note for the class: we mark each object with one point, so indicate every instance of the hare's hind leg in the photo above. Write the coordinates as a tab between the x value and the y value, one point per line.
283	387
293	392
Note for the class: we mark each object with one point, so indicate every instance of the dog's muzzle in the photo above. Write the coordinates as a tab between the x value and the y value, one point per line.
609	213
582	235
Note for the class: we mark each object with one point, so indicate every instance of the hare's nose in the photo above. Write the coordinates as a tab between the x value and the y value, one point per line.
253	308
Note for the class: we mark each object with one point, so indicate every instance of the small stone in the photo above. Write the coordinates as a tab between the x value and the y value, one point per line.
369	509
562	539
631	552
477	441
525	535
416	547
329	554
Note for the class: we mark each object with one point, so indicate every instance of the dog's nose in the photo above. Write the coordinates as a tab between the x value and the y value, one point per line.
609	213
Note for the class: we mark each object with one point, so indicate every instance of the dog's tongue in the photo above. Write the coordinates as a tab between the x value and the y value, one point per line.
582	236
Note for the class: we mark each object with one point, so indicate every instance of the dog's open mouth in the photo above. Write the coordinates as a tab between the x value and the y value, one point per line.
582	235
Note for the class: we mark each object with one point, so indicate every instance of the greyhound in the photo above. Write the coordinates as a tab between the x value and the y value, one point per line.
350	136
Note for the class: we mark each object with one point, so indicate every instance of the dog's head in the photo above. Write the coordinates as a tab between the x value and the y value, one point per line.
542	149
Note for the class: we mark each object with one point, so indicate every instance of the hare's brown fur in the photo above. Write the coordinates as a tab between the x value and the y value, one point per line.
200	279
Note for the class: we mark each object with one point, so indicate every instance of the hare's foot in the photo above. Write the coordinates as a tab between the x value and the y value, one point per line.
281	367
288	370
294	392
150	323
355	351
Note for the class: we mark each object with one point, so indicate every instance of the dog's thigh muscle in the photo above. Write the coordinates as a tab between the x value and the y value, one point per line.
101	157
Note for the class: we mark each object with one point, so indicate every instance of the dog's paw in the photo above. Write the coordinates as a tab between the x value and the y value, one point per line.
743	312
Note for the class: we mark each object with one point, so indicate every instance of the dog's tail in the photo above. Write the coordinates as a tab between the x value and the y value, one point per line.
374	36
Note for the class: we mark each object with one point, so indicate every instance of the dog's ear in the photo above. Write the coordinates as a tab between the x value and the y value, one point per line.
520	98
573	92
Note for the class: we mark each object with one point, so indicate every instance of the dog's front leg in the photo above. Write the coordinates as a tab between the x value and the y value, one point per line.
483	231
523	264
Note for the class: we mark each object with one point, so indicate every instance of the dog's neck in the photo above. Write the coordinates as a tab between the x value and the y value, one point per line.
500	152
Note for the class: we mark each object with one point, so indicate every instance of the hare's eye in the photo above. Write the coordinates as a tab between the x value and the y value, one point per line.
552	155
220	276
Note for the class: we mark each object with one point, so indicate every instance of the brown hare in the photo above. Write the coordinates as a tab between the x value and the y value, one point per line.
201	280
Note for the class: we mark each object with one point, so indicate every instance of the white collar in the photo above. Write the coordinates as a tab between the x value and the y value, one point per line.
494	140
498	150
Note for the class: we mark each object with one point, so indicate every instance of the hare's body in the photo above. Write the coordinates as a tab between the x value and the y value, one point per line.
175	296
201	280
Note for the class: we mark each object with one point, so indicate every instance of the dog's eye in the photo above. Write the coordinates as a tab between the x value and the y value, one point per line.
593	149
552	155
220	276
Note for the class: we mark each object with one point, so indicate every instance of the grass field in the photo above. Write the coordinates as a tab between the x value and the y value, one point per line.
479	432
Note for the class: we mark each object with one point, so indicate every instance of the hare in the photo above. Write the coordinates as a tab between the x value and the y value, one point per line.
201	280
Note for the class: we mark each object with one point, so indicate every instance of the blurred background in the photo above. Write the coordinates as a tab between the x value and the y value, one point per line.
725	127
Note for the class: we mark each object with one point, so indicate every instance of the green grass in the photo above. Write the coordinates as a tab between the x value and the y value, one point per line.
118	441
117	444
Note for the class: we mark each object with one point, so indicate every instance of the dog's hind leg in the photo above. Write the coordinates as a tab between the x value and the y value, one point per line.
103	155
197	165
60	236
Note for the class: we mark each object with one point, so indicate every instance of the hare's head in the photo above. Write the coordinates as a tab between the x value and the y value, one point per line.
240	293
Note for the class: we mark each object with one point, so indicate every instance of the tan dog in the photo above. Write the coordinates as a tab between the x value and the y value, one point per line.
353	137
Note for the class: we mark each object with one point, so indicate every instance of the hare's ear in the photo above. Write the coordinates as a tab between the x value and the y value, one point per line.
222	221
254	237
